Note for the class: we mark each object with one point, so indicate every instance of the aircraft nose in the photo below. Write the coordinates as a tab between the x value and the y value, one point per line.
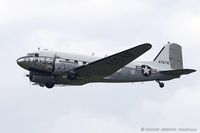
22	63
19	61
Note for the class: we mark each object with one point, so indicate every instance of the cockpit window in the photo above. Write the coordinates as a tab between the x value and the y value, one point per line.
36	55
30	54
76	61
33	54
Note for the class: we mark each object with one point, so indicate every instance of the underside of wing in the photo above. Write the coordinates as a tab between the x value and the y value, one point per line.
108	65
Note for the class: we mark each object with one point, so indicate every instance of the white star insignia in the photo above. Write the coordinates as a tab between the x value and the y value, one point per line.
146	70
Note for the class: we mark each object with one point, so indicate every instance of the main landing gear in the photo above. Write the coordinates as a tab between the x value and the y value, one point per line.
49	85
161	84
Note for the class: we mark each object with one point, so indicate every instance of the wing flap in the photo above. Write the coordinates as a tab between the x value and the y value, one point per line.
111	64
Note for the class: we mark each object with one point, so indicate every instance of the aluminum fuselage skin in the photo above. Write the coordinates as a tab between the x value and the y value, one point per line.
133	72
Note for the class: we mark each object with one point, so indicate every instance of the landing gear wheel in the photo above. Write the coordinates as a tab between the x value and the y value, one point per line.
162	85
41	84
49	85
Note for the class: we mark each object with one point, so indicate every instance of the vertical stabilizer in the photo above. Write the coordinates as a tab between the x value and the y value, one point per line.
170	57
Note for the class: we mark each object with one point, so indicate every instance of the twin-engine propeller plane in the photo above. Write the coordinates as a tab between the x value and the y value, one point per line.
49	68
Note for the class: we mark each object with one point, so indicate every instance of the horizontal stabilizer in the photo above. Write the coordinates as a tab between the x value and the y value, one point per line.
178	72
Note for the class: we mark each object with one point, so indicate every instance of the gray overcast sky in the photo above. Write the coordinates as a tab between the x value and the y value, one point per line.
103	27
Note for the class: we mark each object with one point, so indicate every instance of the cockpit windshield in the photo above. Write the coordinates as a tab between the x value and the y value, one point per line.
33	54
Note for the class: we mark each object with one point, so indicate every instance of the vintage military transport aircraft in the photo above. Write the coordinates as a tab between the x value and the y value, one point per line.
48	68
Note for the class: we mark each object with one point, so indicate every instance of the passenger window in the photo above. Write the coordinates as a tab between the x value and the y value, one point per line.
36	55
76	61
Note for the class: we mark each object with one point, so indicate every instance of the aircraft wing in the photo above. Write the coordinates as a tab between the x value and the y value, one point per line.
108	65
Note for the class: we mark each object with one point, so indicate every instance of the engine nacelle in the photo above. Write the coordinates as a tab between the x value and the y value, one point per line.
41	78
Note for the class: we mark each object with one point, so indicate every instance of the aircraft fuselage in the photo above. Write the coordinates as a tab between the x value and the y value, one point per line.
49	68
41	69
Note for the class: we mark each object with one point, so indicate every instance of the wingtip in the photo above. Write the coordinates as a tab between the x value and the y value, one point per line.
148	45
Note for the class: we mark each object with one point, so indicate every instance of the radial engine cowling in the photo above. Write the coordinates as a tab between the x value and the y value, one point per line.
41	78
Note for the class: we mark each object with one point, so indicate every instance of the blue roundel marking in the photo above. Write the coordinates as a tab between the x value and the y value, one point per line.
146	70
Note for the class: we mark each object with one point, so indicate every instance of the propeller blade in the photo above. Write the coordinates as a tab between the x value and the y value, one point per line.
54	63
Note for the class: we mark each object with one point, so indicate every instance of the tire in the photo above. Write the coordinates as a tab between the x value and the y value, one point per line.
49	85
161	85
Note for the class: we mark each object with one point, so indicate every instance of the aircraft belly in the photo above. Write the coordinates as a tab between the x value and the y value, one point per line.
64	80
123	75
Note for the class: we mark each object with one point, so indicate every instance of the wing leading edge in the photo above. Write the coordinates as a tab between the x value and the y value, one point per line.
108	65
